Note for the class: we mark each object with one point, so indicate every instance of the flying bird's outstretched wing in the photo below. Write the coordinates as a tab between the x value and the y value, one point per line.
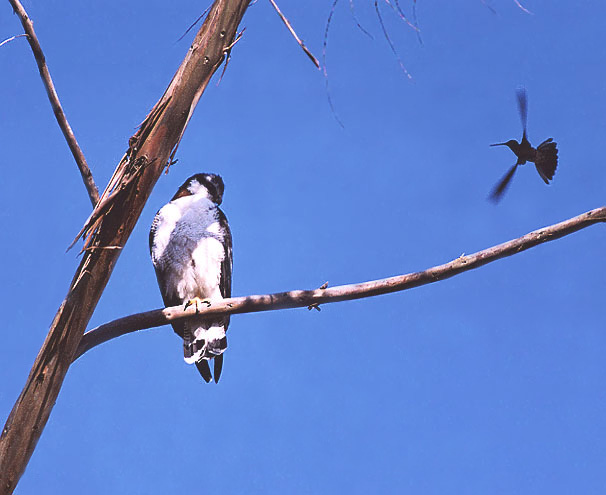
499	189
547	159
523	107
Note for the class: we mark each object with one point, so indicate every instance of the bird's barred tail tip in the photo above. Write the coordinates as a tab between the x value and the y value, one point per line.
209	344
204	368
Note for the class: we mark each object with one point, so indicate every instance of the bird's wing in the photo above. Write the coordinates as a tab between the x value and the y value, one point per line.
225	288
499	189
226	264
547	159
523	107
169	300
152	232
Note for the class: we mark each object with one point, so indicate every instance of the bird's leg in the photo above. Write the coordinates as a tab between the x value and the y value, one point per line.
196	301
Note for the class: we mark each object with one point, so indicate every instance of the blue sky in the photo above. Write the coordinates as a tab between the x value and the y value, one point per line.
492	381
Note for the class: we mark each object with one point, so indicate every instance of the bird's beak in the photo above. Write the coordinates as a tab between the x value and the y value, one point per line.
499	144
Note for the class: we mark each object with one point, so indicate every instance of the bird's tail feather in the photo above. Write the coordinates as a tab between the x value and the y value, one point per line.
547	159
218	367
204	370
205	340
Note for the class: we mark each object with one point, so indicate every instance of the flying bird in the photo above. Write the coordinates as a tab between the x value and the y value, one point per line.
191	250
544	157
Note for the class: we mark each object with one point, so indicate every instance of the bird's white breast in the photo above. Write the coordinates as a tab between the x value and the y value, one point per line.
187	248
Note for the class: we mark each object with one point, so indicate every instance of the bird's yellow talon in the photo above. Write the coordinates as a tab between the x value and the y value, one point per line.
196	301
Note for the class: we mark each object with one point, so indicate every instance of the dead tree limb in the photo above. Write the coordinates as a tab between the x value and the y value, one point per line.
12	38
149	152
87	176
312	298
288	25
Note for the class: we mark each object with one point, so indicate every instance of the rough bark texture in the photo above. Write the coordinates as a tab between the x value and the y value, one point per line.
109	227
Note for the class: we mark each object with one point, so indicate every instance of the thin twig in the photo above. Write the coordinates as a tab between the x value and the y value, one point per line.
8	40
324	65
416	21
522	7
489	6
85	172
313	298
386	34
227	54
355	18
194	23
292	31
398	10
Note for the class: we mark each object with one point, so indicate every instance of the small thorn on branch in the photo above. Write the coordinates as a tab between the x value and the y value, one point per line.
292	31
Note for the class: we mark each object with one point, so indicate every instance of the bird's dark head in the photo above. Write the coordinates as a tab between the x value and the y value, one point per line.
207	185
512	144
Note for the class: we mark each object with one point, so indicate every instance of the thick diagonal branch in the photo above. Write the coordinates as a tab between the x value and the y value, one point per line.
310	298
87	176
148	154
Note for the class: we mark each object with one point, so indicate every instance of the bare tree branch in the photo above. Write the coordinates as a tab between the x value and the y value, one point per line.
292	31
8	40
150	149
312	298
85	172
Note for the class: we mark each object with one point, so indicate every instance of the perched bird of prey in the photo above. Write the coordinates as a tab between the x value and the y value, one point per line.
544	157
190	246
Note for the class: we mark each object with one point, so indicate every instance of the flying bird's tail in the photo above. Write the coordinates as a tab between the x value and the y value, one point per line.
547	159
204	340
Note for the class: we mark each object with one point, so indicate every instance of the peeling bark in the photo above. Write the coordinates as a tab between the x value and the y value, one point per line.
110	225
